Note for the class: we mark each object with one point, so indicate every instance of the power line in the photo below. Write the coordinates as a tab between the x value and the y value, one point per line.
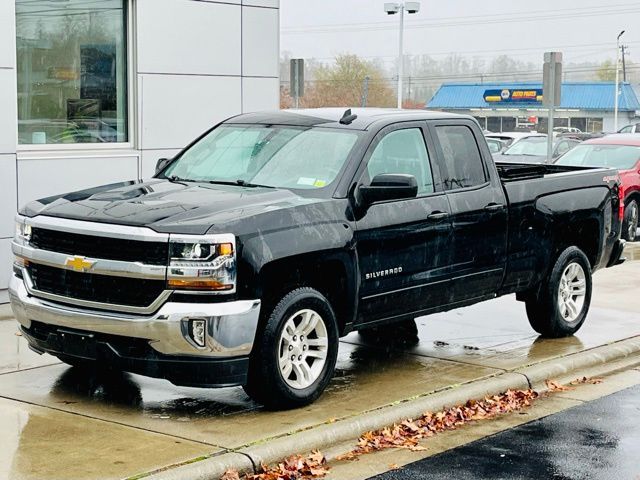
438	23
470	17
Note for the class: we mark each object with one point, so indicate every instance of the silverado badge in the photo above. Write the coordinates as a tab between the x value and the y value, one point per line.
79	264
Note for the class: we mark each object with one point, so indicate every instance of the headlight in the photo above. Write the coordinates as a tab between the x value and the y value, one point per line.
203	264
23	231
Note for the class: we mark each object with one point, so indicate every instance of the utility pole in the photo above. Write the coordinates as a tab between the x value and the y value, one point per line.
365	91
617	91
624	64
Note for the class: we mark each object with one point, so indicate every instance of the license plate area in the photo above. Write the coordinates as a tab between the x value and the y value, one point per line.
77	344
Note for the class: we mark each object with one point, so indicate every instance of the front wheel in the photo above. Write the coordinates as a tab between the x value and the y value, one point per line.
561	305
295	353
630	225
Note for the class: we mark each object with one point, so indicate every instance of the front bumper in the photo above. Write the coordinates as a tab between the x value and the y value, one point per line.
168	351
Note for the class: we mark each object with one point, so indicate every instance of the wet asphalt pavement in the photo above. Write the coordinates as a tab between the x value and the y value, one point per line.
597	440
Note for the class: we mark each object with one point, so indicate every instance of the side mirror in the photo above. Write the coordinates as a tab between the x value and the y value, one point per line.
163	163
388	186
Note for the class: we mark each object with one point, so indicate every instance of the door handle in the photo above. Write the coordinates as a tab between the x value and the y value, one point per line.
494	207
436	216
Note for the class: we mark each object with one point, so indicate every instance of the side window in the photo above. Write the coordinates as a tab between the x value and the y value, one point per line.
626	129
464	167
403	151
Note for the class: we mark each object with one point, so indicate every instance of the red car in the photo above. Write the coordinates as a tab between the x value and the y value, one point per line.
621	151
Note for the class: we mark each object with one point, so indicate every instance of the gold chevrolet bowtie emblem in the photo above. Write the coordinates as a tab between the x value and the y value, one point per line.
79	264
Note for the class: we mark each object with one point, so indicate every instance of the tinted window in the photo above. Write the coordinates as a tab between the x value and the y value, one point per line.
462	159
403	151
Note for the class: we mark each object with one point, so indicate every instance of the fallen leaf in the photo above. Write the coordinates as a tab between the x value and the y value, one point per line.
394	466
230	475
554	386
590	380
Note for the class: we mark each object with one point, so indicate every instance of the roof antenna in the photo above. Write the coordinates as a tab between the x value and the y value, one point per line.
348	117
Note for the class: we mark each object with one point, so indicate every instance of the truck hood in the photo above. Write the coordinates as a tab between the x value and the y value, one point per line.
171	207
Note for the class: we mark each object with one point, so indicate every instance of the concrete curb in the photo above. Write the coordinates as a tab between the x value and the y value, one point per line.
326	435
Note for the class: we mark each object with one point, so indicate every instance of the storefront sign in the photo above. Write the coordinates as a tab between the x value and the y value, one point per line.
513	95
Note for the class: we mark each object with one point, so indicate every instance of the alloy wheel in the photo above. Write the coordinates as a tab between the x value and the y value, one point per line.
572	292
303	348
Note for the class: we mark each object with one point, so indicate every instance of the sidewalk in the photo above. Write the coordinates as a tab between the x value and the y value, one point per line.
58	423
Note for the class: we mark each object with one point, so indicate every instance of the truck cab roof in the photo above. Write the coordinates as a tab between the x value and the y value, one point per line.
330	117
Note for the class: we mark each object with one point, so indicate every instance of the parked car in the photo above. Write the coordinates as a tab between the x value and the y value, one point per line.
561	130
633	128
495	145
533	149
252	251
510	138
622	152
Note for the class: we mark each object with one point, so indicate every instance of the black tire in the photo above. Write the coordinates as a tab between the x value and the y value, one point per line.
542	306
265	382
630	223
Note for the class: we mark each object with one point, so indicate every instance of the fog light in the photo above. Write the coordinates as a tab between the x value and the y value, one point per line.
198	331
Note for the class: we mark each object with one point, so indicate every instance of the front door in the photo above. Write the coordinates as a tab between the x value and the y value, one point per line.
403	246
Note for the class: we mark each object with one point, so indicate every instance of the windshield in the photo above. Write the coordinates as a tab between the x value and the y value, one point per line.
274	156
622	157
528	146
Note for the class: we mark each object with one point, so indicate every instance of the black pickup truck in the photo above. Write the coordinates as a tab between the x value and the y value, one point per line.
252	251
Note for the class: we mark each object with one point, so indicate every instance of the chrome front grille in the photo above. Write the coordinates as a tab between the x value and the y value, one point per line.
95	265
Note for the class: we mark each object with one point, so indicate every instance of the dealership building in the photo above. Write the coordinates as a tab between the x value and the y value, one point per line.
502	107
94	92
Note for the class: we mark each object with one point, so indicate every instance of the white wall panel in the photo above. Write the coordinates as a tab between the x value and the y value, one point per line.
262	3
43	177
8	109
6	261
184	36
260	94
151	157
7	34
177	108
260	41
8	194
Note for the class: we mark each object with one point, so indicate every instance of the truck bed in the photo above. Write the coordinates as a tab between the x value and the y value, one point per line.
510	172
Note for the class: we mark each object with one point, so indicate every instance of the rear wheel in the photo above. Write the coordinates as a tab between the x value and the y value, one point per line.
630	224
295	353
560	306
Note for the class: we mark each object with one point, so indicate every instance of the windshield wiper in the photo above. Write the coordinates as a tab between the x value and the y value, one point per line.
237	183
176	179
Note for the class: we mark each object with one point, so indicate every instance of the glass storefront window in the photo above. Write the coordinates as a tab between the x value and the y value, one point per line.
71	69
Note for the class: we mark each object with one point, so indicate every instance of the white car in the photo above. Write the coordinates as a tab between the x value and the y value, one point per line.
633	128
509	138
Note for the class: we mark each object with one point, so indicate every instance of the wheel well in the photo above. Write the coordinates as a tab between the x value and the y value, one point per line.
632	196
329	277
584	235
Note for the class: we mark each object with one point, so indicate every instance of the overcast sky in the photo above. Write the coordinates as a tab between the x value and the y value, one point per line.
582	29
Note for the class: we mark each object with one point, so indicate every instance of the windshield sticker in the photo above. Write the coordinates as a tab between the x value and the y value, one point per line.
306	181
319	183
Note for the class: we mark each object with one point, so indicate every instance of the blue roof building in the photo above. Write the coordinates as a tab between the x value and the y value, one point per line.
588	106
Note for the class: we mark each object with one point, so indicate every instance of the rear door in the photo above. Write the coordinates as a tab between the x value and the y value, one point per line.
478	210
403	246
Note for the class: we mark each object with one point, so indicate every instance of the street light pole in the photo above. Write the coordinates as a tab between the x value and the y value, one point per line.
401	55
392	9
617	93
